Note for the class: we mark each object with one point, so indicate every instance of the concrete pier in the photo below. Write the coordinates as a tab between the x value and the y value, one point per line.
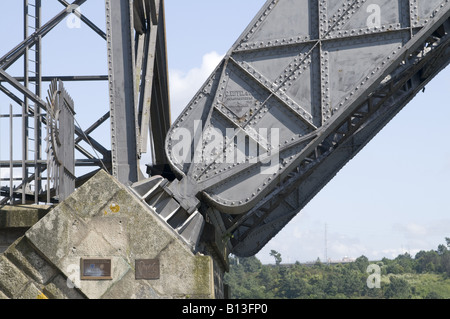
103	242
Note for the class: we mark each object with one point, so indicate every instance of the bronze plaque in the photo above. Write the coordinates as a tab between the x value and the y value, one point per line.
96	269
147	269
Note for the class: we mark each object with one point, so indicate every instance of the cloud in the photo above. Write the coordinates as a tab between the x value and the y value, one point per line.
184	85
418	230
389	253
343	246
414	229
305	242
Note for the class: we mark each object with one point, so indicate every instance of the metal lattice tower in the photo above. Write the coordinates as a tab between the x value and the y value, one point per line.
138	111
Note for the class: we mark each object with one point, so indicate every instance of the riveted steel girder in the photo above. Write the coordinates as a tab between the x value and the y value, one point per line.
302	90
139	95
120	45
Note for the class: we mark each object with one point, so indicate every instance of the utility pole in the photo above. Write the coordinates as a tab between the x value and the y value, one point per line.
326	244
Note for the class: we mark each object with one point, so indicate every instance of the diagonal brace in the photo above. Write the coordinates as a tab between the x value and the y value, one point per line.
12	56
88	22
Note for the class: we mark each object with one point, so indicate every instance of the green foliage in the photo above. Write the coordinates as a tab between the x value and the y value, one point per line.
425	276
277	256
398	288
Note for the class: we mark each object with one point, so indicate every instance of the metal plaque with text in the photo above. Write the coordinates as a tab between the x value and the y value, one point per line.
147	269
96	269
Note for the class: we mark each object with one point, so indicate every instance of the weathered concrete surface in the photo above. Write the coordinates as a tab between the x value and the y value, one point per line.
9	236
25	274
16	220
103	219
21	216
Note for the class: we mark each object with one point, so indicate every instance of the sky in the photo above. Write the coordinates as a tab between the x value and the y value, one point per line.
392	198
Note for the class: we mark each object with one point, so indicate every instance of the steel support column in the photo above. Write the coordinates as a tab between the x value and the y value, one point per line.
120	43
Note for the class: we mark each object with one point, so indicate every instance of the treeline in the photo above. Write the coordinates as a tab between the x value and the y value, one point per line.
426	276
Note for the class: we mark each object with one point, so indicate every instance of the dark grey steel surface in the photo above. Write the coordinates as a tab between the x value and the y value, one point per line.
119	27
323	77
62	137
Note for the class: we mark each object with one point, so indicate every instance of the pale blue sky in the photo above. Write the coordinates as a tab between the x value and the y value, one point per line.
392	198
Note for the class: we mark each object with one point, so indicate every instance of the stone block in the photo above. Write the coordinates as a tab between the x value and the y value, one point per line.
60	288
3	296
31	292
51	234
12	280
183	274
30	262
22	216
96	194
103	218
129	288
95	289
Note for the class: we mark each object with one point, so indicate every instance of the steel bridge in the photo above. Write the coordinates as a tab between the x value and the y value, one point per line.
304	88
137	76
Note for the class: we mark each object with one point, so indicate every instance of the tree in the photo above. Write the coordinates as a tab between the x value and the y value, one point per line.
318	263
251	264
395	268
277	256
293	286
352	283
269	276
401	264
406	262
442	249
362	263
248	278
445	263
433	295
398	288
427	261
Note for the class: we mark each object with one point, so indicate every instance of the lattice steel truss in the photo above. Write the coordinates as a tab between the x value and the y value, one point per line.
310	83
139	104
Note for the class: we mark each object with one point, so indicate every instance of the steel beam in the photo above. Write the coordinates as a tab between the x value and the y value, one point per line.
94	126
328	75
30	50
160	115
152	99
9	58
120	44
64	78
145	100
88	22
360	128
24	90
